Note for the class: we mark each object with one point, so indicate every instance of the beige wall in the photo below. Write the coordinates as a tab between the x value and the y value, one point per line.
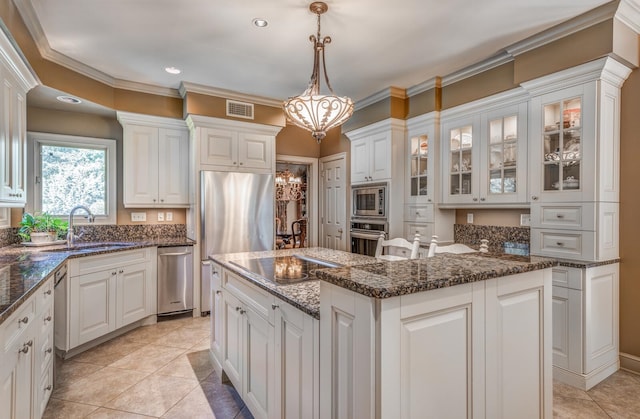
495	80
425	102
629	211
86	125
295	141
489	217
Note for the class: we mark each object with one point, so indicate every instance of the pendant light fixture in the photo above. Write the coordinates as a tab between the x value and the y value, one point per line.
312	110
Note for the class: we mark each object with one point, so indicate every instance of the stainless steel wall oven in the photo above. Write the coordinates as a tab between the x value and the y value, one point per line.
365	234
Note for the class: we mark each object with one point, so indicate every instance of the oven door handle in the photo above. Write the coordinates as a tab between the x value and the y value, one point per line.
367	236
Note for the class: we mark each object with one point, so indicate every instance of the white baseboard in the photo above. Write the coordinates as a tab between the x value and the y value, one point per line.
585	381
630	362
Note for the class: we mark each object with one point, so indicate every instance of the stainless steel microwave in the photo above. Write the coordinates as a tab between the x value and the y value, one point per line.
369	201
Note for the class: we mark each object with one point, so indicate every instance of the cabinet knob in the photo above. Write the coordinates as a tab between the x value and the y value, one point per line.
25	347
218	292
162	200
241	163
475	199
47	319
113	273
48	350
559	244
559	216
154	200
535	198
47	388
243	311
482	199
238	308
274	306
24	320
121	271
429	200
47	292
234	163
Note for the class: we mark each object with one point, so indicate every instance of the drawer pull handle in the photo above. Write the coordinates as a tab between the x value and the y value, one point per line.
559	216
47	319
24	320
47	292
274	306
559	244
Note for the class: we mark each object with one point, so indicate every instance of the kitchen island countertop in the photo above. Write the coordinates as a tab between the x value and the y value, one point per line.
373	278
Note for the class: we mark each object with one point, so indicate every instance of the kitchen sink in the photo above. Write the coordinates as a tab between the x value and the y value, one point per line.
89	247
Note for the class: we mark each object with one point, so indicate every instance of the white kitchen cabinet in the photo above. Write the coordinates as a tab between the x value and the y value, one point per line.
297	366
377	153
216	338
484	152
574	152
422	214
248	343
236	150
26	349
585	324
480	350
156	161
107	292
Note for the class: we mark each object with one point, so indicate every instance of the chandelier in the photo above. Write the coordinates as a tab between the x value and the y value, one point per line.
312	110
288	186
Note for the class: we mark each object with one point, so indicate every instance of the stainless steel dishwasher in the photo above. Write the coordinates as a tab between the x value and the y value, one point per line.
175	280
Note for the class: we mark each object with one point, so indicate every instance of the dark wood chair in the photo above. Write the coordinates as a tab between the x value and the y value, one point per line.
299	232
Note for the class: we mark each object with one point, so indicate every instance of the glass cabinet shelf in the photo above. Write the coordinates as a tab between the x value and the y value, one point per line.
562	145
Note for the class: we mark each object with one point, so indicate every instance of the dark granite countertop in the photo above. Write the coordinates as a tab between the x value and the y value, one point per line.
302	295
391	279
24	269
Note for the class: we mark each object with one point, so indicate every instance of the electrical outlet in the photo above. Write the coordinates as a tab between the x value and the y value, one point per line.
470	218
169	216
525	219
161	216
138	216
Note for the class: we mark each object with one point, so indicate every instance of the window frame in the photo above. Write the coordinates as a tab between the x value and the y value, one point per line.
36	139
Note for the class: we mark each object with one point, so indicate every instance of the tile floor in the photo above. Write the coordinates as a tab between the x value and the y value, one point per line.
163	371
158	371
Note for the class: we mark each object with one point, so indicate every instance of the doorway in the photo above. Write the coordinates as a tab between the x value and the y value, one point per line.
296	200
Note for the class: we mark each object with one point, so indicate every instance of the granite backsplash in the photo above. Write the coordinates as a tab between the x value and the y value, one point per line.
471	234
110	233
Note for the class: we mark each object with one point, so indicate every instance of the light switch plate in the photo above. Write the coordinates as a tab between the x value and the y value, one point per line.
169	216
470	218
161	216
525	220
138	216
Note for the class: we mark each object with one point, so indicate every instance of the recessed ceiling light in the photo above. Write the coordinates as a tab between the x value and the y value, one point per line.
172	70
261	23
69	99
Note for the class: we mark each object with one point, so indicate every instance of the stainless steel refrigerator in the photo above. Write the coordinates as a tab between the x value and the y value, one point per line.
237	211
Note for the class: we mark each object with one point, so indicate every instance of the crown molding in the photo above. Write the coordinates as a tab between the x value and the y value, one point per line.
383	94
489	103
156	121
421	122
13	59
187	87
200	121
629	14
386	125
146	88
485	65
585	20
424	86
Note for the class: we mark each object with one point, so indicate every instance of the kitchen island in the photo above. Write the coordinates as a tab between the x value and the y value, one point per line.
450	336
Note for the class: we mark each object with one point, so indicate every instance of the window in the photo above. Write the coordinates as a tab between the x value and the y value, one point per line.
70	171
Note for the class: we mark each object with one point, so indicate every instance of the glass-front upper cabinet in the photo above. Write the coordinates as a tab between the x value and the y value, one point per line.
461	160
562	145
422	158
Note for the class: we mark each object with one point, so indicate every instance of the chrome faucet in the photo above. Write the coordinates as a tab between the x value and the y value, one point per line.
71	238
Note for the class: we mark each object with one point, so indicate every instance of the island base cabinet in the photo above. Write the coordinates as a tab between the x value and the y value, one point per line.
477	350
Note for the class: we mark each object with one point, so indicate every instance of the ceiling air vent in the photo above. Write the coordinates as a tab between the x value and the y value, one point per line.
239	109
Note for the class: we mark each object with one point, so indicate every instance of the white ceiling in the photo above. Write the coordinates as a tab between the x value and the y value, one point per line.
376	43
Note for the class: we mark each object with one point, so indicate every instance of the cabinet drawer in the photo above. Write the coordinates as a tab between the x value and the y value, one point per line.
259	300
568	217
422	213
90	264
424	229
44	296
563	244
44	352
18	323
566	277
